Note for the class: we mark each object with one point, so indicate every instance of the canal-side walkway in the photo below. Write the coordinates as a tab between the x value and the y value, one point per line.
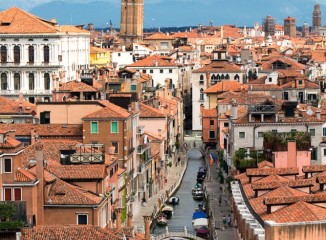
219	204
174	179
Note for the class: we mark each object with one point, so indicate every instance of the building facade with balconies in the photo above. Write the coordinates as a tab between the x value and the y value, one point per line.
35	53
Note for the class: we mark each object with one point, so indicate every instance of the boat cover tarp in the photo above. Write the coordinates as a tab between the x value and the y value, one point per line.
197	215
200	222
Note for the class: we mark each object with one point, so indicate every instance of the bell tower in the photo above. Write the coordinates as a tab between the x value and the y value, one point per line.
132	21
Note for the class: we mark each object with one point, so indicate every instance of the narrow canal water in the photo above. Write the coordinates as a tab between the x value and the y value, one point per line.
182	213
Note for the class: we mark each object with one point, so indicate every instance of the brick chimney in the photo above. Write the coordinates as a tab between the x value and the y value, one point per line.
292	154
32	136
118	212
40	187
129	222
147	221
234	109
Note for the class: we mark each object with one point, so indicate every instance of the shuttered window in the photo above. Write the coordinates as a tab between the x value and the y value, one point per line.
94	127
7	194
114	127
18	194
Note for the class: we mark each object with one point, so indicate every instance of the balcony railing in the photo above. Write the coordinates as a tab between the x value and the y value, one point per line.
26	92
142	148
87	158
262	109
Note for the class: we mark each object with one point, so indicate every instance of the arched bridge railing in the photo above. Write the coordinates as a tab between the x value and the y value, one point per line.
174	231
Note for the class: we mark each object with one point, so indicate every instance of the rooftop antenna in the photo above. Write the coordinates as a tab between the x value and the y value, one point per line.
111	26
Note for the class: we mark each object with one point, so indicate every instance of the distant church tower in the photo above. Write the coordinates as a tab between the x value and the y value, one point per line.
316	18
305	30
132	21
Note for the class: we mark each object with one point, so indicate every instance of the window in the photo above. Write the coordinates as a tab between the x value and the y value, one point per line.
46	54
31	54
7	194
3	54
211	122
82	219
226	124
17	194
161	70
114	127
151	71
119	54
94	127
211	134
133	87
170	70
324	132
270	79
227	76
31	81
286	96
144	71
260	134
16	81
164	45
201	79
4	81
45	117
16	54
324	151
242	134
7	165
274	131
46	81
116	145
312	132
236	77
201	96
300	82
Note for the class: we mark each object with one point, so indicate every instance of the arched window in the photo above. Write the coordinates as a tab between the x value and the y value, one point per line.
46	81
4	81
64	98
46	52
222	76
201	94
31	54
16	81
213	77
236	77
218	77
16	54
201	79
227	76
3	54
31	81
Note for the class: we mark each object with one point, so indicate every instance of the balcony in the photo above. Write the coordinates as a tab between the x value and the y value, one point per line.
84	153
262	109
26	92
142	148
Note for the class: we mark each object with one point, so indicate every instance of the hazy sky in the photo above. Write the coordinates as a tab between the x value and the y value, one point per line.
174	12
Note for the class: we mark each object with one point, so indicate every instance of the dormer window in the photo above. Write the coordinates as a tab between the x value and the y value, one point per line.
300	82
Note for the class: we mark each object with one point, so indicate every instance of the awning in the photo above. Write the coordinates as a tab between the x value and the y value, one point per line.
197	215
200	222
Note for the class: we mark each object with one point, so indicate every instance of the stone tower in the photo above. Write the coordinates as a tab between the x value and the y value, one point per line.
132	21
290	28
305	30
316	18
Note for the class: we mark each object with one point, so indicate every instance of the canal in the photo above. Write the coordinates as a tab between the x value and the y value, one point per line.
182	213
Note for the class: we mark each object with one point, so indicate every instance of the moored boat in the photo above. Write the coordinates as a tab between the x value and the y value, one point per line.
197	187
167	210
162	219
198	195
174	200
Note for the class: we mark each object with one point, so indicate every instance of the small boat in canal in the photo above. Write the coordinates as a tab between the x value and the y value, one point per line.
174	200
200	222
197	187
200	207
201	174
167	210
202	232
198	195
197	215
162	219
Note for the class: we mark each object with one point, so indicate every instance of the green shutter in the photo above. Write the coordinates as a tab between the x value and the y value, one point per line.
94	127
133	87
114	127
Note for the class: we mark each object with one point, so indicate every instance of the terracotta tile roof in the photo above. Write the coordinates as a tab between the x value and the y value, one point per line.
154	61
149	112
51	149
264	185
298	212
111	111
10	106
98	50
265	164
62	193
23	175
45	130
219	67
307	85
154	137
314	168
224	86
48	177
263	87
71	232
269	171
291	63
75	86
10	143
212	113
71	29
310	198
159	36
73	172
321	179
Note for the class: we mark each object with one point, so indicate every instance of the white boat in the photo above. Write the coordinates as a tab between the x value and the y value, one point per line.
174	200
167	210
200	222
198	195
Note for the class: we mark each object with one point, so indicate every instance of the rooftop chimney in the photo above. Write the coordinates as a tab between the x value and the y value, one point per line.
118	212
318	114
234	109
147	221
40	187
